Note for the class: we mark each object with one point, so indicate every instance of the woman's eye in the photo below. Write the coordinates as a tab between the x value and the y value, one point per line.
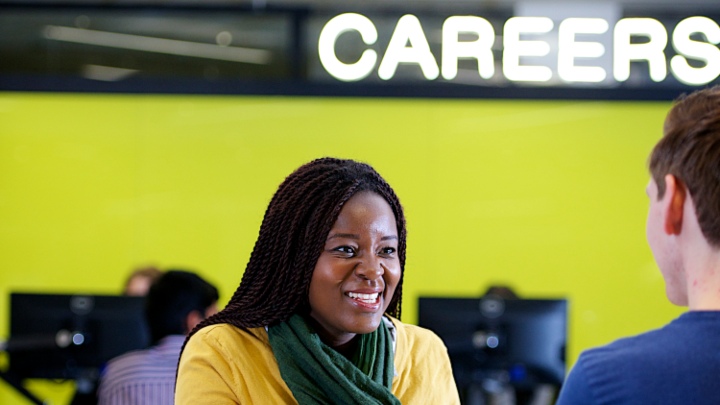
388	251
345	249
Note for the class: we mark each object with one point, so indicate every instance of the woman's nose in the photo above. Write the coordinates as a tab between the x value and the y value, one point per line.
370	268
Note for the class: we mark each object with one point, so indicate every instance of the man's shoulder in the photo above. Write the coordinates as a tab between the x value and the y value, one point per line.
161	356
644	348
664	365
630	345
148	373
130	359
130	369
673	338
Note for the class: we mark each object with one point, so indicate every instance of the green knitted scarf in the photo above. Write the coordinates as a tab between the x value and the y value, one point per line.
317	374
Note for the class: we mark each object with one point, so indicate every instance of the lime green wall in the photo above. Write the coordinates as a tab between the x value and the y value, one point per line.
547	197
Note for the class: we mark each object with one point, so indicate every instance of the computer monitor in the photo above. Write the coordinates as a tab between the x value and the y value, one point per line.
517	342
71	336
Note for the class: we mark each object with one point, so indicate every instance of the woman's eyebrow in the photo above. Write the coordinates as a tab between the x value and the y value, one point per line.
343	235
356	236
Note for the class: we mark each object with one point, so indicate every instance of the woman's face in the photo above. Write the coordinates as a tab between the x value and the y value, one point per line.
357	272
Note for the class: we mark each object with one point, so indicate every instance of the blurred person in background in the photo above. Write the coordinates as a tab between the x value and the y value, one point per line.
139	282
175	303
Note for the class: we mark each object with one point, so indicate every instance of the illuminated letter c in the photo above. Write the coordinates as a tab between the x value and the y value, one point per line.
326	47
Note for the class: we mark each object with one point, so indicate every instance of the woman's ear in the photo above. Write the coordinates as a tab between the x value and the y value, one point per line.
672	203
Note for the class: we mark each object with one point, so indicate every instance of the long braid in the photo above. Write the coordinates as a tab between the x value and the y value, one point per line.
302	211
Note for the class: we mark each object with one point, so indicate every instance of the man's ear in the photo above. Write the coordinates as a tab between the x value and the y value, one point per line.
673	202
192	319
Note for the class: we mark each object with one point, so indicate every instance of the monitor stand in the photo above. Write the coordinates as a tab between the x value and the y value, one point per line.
16	383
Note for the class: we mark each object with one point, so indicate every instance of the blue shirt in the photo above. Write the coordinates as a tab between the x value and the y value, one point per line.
142	377
676	364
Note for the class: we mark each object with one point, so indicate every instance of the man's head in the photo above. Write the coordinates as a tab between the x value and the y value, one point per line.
690	151
683	227
177	301
139	282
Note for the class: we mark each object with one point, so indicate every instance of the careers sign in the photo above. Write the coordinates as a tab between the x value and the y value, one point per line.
547	49
685	52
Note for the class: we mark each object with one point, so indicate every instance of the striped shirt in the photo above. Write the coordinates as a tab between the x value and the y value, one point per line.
142	377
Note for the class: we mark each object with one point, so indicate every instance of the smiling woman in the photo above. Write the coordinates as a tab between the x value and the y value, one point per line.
357	273
315	319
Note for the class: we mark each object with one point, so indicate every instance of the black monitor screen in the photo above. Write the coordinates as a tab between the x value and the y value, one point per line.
519	342
67	336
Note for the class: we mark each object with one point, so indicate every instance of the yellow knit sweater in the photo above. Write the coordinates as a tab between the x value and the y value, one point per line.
222	364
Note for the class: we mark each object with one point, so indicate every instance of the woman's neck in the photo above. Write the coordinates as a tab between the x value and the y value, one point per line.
343	343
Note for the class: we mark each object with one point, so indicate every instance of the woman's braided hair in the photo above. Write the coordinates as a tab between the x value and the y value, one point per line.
276	281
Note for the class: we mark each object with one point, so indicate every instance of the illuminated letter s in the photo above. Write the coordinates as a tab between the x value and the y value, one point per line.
326	47
705	52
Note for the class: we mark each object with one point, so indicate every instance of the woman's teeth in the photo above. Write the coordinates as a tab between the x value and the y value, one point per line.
366	298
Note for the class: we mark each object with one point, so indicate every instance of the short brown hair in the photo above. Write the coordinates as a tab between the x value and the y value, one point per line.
690	150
